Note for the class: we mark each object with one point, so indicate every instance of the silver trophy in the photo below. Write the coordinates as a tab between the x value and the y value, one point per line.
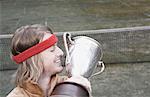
83	55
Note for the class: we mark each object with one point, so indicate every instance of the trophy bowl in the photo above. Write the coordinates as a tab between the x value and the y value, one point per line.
83	55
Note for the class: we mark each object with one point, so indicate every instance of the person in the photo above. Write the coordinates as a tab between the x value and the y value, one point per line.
34	48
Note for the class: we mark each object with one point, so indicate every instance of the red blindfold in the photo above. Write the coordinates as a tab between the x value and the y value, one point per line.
35	49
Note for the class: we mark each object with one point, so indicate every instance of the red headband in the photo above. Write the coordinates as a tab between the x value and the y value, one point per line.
35	49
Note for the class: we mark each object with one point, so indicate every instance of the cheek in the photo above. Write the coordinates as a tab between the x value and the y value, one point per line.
52	69
48	57
49	62
50	66
47	68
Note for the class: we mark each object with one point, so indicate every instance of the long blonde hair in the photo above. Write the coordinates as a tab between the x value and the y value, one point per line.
24	38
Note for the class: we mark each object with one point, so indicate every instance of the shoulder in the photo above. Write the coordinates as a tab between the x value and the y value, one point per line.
16	92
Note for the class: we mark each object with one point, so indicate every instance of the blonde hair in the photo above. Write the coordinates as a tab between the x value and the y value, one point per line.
24	38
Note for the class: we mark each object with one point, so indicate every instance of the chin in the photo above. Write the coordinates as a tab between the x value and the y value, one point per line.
58	70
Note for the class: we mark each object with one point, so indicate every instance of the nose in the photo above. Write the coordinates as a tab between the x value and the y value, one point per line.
60	52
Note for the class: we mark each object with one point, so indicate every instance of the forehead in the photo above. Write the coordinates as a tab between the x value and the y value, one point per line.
46	36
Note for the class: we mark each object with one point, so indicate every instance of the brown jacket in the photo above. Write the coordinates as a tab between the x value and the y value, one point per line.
33	90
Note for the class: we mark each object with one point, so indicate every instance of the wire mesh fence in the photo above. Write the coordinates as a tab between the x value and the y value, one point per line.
5	59
120	45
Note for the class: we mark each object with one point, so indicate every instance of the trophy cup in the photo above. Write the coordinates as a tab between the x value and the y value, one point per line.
83	55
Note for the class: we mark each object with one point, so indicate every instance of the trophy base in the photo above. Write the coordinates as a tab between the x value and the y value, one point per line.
69	89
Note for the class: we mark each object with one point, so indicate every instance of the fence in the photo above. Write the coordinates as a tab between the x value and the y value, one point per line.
120	45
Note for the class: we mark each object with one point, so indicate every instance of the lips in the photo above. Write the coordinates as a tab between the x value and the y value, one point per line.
58	62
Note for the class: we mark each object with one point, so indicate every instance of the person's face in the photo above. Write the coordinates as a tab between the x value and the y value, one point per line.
52	58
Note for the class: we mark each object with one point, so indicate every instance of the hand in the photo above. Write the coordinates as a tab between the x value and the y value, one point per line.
81	81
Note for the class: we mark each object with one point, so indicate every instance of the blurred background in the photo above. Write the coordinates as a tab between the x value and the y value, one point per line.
121	26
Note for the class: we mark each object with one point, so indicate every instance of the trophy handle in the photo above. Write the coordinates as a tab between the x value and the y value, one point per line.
67	36
101	64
